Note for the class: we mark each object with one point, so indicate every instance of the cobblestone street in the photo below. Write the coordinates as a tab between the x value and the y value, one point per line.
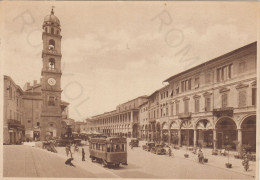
36	162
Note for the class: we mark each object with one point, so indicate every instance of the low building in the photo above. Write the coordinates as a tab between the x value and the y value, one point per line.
13	112
32	100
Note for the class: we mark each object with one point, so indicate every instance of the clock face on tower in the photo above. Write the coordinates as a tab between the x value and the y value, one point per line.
51	81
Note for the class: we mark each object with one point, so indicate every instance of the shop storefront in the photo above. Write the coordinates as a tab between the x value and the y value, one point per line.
187	133
174	133
226	133
16	132
165	133
248	128
158	133
204	134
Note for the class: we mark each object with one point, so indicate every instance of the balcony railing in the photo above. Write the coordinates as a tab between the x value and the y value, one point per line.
13	122
186	115
228	111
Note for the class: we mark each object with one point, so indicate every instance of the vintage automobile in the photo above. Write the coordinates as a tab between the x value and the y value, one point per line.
77	141
158	149
134	142
148	146
62	142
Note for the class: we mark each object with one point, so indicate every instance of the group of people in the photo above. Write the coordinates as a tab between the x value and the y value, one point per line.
69	152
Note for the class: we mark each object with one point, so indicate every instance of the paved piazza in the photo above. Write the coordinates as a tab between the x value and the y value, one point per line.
28	161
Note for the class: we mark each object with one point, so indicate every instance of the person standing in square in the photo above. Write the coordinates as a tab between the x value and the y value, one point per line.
83	154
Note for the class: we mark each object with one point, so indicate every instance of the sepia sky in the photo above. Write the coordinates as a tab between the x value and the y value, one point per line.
113	52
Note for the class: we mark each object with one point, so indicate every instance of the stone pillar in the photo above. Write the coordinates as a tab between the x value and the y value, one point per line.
239	138
152	134
161	135
195	137
132	116
179	137
169	136
188	139
214	139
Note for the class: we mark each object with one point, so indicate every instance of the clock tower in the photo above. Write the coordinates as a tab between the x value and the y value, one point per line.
51	77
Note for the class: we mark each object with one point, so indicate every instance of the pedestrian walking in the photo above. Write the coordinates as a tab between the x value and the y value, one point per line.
200	156
245	162
83	154
68	162
170	151
67	149
76	149
70	149
194	150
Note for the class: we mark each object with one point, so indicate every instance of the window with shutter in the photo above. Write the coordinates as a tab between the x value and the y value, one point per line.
197	104
177	108
172	109
242	67
197	82
207	103
51	101
242	98
224	100
186	106
253	96
208	78
218	74
230	71
189	84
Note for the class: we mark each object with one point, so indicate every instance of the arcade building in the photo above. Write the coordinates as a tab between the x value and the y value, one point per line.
210	105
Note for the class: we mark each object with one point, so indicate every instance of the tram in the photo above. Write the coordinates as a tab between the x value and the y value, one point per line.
108	150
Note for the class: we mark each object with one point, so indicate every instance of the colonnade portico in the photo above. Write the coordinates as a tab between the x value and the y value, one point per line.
115	123
204	133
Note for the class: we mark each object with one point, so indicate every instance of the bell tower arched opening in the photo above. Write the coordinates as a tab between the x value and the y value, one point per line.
51	64
51	44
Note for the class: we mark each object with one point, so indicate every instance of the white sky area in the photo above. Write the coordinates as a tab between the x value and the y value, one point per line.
113	52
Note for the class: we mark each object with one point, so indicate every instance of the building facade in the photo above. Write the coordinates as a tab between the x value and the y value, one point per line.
13	115
211	105
122	121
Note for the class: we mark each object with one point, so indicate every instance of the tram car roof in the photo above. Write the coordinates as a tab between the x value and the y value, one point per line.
105	139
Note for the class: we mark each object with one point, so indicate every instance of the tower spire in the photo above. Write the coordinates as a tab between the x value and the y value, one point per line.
52	12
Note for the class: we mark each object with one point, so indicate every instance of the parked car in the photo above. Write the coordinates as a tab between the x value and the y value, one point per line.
62	142
148	146
134	142
77	141
158	149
